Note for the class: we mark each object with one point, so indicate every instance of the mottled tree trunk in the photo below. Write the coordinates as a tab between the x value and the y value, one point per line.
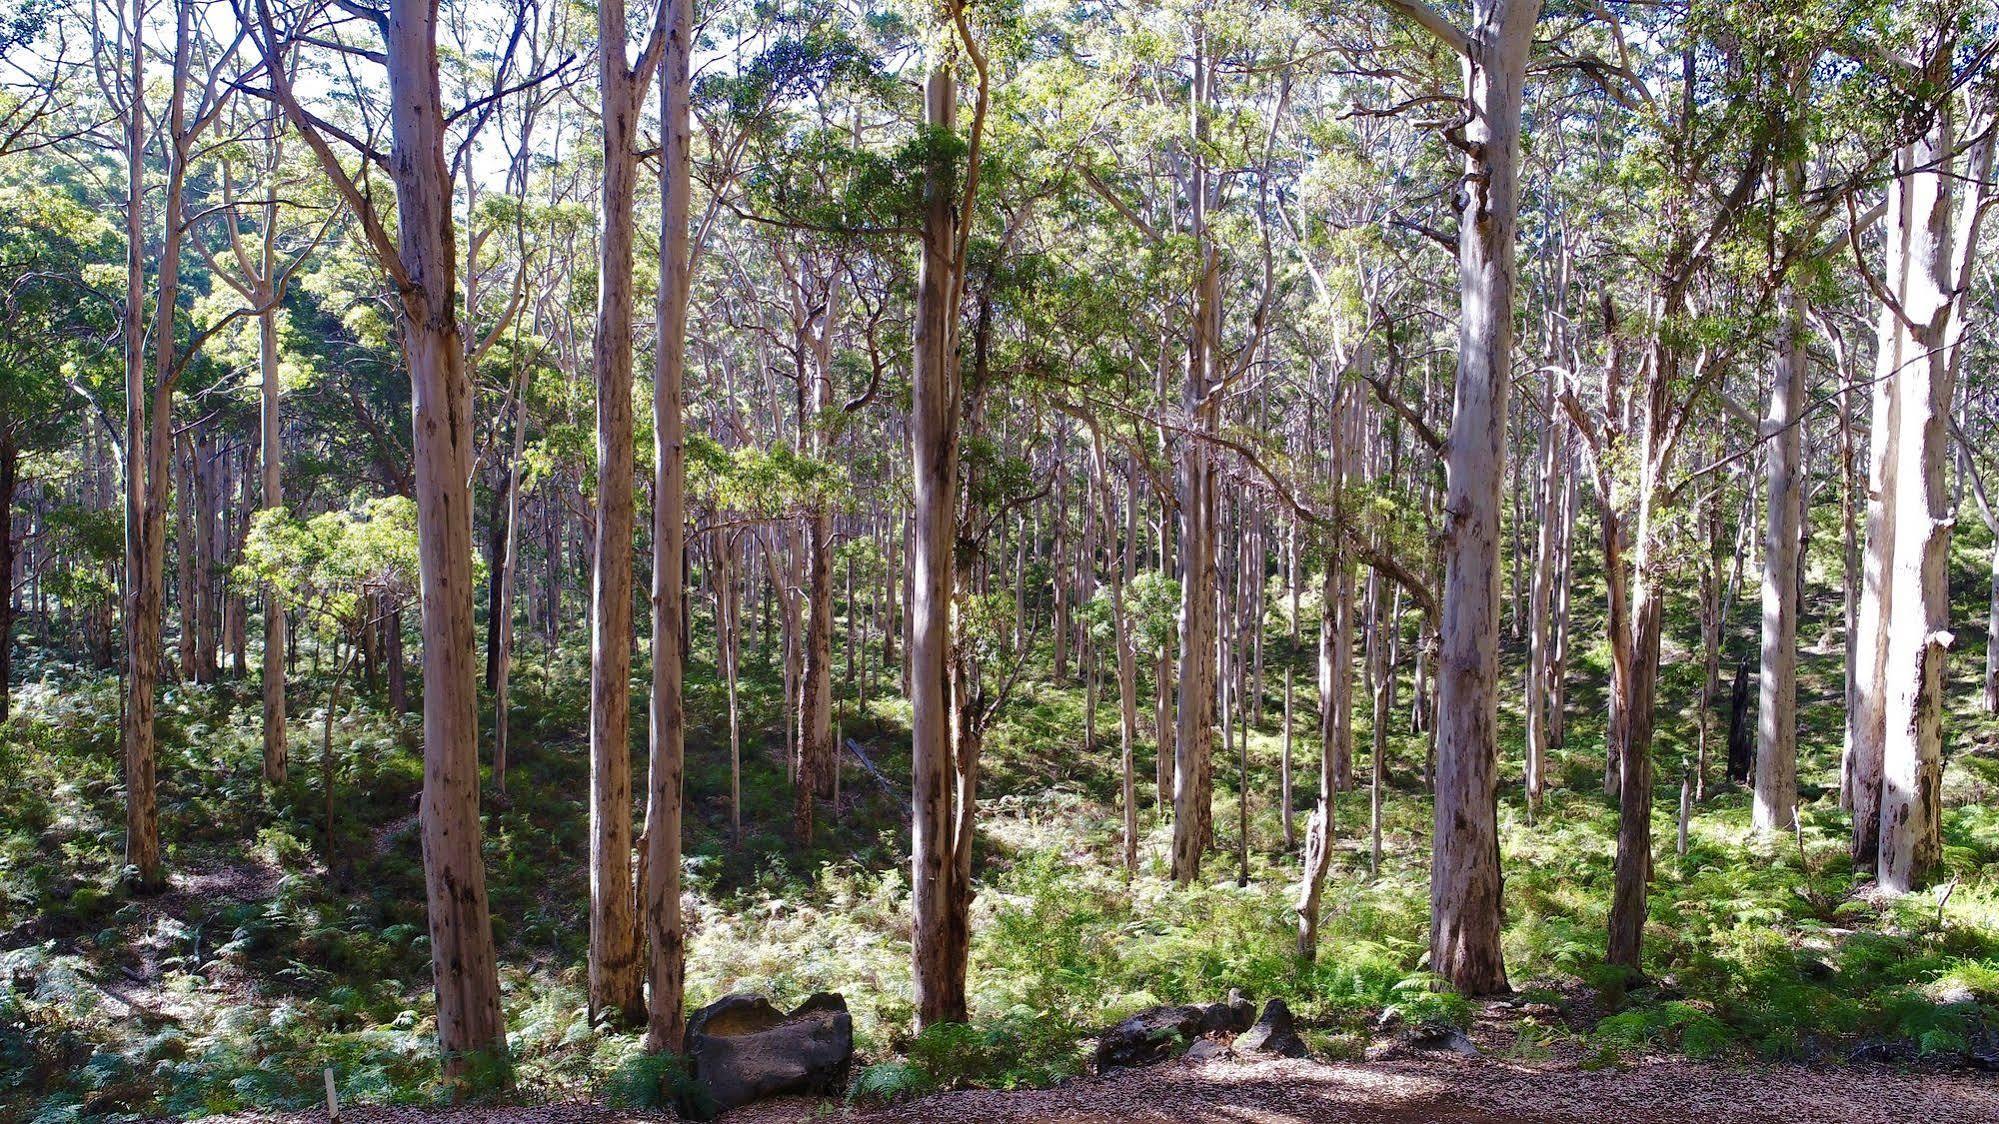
185	587
1377	685
615	970
1293	579
1193	781
1558	645
466	975
941	943
10	459
1123	568
1860	771
464	971
1320	830
1941	248
1991	692
148	444
209	499
1633	748
817	760
1465	883
665	932
501	627
813	766
1776	794
270	439
1539	603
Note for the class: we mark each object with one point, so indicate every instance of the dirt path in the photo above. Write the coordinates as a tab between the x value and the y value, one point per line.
1448	1089
1440	1090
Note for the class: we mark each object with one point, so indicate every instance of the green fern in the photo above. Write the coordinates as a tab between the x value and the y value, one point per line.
890	1082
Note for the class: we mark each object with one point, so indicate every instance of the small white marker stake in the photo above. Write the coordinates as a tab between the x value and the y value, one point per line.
332	1098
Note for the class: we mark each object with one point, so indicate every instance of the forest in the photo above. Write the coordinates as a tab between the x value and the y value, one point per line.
1086	560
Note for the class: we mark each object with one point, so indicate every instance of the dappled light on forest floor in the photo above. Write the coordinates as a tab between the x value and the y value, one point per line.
1446	543
1433	1091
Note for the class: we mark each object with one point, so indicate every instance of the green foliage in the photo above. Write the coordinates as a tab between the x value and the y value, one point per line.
891	1082
658	1080
1155	610
760	483
1018	1048
332	563
1673	1025
1427	999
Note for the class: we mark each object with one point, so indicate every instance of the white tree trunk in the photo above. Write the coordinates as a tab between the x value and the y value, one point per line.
271	439
1860	771
1538	605
1193	779
1776	795
1465	887
1940	249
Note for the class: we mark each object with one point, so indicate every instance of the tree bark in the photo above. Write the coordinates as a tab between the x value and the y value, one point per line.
10	459
1860	772
186	589
664	930
941	941
1319	831
1193	781
615	970
817	762
1293	579
270	430
1776	796
1465	881
148	444
1991	635
466	974
1942	245
207	555
501	627
1633	867
1538	606
813	766
423	259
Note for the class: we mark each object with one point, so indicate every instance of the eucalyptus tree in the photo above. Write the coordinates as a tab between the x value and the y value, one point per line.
664	931
266	242
1941	189
615	971
1202	111
418	255
201	69
1465	886
944	815
1711	267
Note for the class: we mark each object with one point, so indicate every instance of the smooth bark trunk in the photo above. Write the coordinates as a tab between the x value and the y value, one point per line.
941	942
665	931
1465	881
1776	795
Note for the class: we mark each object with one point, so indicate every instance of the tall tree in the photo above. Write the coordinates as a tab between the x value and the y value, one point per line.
1942	207
664	931
1193	738
941	827
614	937
420	258
1465	886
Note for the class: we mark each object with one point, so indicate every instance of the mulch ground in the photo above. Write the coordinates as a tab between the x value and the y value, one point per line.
1440	1089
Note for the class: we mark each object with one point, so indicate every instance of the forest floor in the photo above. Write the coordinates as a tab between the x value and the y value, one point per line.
1434	1088
279	952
